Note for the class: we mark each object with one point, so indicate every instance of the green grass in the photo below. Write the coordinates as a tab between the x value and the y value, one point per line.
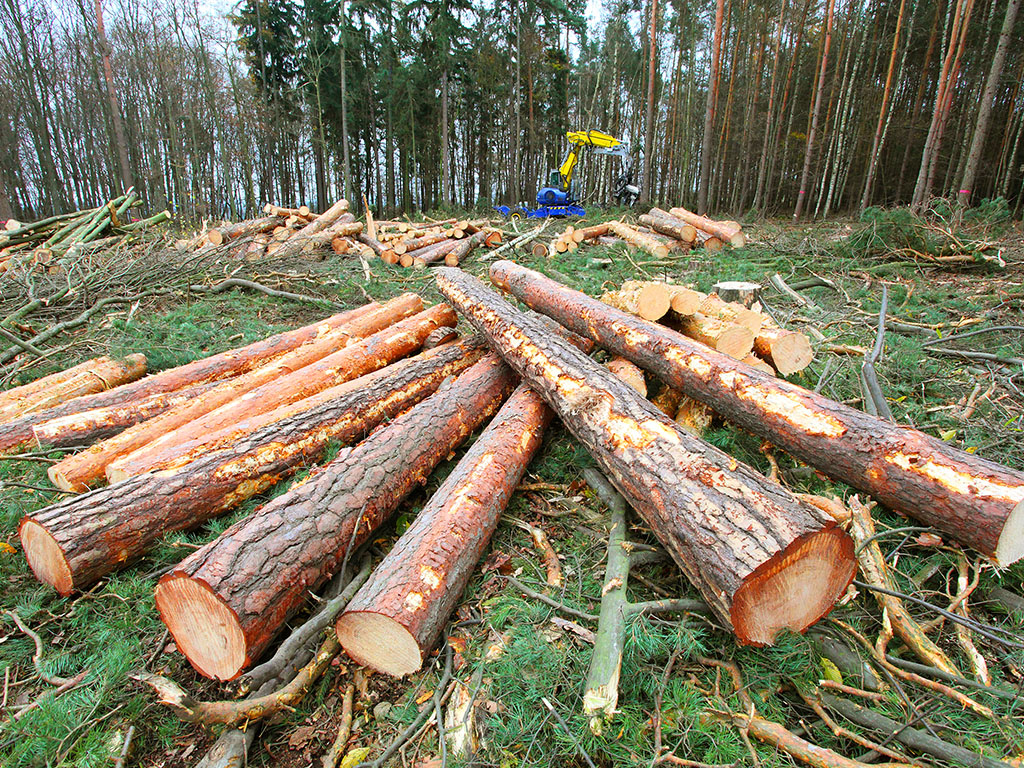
114	628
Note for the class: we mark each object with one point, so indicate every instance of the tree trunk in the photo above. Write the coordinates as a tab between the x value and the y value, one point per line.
987	99
727	231
709	111
115	110
805	176
394	620
647	186
226	602
71	544
671	226
357	359
446	171
763	560
83	470
639	239
977	502
96	375
18	434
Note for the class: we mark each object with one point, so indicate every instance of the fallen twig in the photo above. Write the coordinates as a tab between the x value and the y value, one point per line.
333	756
235	282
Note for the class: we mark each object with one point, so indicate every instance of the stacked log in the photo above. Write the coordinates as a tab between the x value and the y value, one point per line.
639	239
762	559
975	501
725	231
295	244
86	418
393	621
87	468
71	544
226	602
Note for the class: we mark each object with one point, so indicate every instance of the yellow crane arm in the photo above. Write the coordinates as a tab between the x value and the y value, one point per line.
577	139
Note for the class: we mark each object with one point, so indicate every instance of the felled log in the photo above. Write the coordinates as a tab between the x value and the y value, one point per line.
713	306
638	239
415	244
18	434
590	233
396	617
225	602
294	244
629	373
326	237
788	351
248	228
275	210
672	227
727	232
728	338
71	544
87	468
459	253
977	502
378	249
763	560
356	359
649	300
430	255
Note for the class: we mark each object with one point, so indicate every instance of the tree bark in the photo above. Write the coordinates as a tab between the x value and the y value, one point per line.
652	71
987	99
670	226
71	544
227	601
120	142
977	502
709	111
763	560
639	239
82	470
413	590
805	176
727	231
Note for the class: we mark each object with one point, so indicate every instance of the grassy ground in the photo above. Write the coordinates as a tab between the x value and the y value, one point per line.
510	640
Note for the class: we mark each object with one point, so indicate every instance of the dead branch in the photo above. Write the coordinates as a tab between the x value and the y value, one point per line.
234	282
330	760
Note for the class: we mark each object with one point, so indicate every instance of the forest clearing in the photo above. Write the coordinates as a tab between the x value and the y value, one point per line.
436	384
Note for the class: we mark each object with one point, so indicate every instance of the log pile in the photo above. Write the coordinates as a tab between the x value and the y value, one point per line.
42	244
447	242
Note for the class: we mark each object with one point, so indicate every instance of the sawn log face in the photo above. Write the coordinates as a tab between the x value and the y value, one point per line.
977	502
106	529
259	571
729	528
419	582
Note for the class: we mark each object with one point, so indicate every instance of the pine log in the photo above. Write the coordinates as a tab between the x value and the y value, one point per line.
358	358
23	397
377	247
629	373
394	620
684	301
417	243
589	233
714	306
727	232
975	501
99	375
430	255
638	239
539	250
440	336
681	231
762	559
649	300
466	247
686	232
101	423
693	416
728	338
18	434
788	351
275	210
755	362
226	602
739	292
71	544
712	244
83	470
338	229
294	245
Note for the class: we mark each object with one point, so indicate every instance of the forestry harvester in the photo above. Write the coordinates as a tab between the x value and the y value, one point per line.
557	198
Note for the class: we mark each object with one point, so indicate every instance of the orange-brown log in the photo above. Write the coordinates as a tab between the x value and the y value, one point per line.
72	544
294	244
685	301
726	231
713	306
756	362
713	244
640	240
493	238
763	560
649	300
17	434
788	351
683	231
22	398
395	618
674	228
358	358
728	338
340	245
276	210
590	233
975	501
419	243
629	373
327	236
97	375
83	470
462	249
432	254
225	603
539	250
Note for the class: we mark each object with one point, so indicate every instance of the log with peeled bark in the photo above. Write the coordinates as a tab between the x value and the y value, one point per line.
726	231
459	253
683	231
728	338
71	544
248	228
92	376
676	228
430	255
294	244
788	351
394	620
18	435
763	560
87	468
275	210
975	501
640	240
356	359
226	602
378	248
589	233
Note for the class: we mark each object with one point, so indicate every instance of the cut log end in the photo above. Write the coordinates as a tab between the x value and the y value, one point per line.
735	341
795	588
45	557
64	482
379	642
203	626
1010	547
791	353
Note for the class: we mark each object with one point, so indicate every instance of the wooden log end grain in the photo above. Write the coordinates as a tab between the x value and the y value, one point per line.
684	301
738	291
788	351
45	556
539	250
629	373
